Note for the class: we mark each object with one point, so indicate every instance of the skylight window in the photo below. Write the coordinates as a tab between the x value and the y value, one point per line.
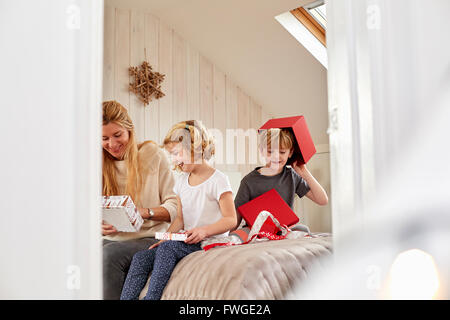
307	25
313	17
318	11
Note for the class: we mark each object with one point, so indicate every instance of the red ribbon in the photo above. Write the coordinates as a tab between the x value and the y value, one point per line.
259	235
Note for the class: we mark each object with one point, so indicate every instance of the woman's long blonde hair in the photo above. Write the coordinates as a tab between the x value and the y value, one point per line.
116	113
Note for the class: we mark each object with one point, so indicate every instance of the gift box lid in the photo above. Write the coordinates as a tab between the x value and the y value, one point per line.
304	147
270	201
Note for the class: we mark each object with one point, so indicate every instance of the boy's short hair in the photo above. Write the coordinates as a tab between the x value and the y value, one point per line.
276	138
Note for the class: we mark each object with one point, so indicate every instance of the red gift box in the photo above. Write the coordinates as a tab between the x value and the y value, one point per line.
272	202
304	147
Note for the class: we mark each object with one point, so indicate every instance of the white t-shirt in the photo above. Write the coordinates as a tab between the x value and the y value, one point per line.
200	203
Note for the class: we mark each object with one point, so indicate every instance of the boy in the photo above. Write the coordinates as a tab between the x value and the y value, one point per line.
277	146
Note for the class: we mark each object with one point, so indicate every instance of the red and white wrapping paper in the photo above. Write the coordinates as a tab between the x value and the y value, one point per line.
121	212
255	233
170	236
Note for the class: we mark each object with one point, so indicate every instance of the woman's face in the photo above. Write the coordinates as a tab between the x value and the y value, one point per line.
115	139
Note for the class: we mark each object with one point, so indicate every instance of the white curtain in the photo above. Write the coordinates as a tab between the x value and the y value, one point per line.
389	114
388	88
51	66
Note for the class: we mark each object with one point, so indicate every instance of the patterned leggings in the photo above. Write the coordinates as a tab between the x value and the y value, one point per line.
162	260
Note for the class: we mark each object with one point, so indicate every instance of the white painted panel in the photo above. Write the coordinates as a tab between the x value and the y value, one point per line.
220	117
206	92
318	218
231	118
151	40
166	68
193	83
50	218
243	123
109	53
137	56
179	79
122	57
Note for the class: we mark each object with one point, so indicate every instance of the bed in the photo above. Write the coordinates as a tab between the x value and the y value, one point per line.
262	270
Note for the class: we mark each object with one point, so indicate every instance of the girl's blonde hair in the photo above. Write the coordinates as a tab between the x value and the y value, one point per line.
194	137
276	138
114	112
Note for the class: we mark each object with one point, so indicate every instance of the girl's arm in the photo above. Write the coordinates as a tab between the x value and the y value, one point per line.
316	193
176	224
226	223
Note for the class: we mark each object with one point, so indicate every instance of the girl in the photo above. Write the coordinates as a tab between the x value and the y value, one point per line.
205	209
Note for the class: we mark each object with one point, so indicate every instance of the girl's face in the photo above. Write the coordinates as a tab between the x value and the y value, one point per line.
277	158
180	157
115	139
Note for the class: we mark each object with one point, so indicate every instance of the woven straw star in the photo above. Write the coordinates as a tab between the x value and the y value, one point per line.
147	83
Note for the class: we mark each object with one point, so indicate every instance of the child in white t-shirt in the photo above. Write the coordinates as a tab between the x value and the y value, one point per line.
205	209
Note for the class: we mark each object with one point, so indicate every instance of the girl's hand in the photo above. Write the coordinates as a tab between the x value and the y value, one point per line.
108	229
156	244
196	235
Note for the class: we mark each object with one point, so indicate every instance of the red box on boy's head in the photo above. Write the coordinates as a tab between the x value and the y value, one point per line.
270	201
304	147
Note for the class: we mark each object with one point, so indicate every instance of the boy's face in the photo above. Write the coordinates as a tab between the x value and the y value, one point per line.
276	158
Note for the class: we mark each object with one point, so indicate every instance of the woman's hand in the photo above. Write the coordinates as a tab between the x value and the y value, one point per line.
196	235
156	244
108	229
144	213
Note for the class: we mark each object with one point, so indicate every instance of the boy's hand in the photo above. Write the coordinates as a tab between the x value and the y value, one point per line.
196	235
300	168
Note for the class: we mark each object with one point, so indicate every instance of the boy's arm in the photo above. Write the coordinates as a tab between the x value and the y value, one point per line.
226	223
242	197
316	193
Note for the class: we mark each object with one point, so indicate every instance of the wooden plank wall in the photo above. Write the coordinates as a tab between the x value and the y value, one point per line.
194	87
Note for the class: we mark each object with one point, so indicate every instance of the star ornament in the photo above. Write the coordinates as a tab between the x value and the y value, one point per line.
146	83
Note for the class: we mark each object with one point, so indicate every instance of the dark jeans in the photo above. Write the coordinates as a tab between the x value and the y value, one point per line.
159	262
117	257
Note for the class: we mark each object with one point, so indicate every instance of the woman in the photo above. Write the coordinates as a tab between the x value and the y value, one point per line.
141	171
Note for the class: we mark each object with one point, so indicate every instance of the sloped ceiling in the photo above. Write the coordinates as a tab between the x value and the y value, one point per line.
243	39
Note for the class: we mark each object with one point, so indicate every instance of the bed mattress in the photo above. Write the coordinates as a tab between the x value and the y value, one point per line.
262	270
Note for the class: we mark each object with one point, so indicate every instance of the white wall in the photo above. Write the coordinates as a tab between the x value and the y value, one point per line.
194	87
317	218
50	163
246	42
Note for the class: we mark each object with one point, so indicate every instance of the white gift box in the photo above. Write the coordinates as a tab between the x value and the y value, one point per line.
121	212
170	236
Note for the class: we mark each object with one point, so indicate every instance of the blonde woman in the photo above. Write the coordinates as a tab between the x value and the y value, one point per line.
143	172
205	209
